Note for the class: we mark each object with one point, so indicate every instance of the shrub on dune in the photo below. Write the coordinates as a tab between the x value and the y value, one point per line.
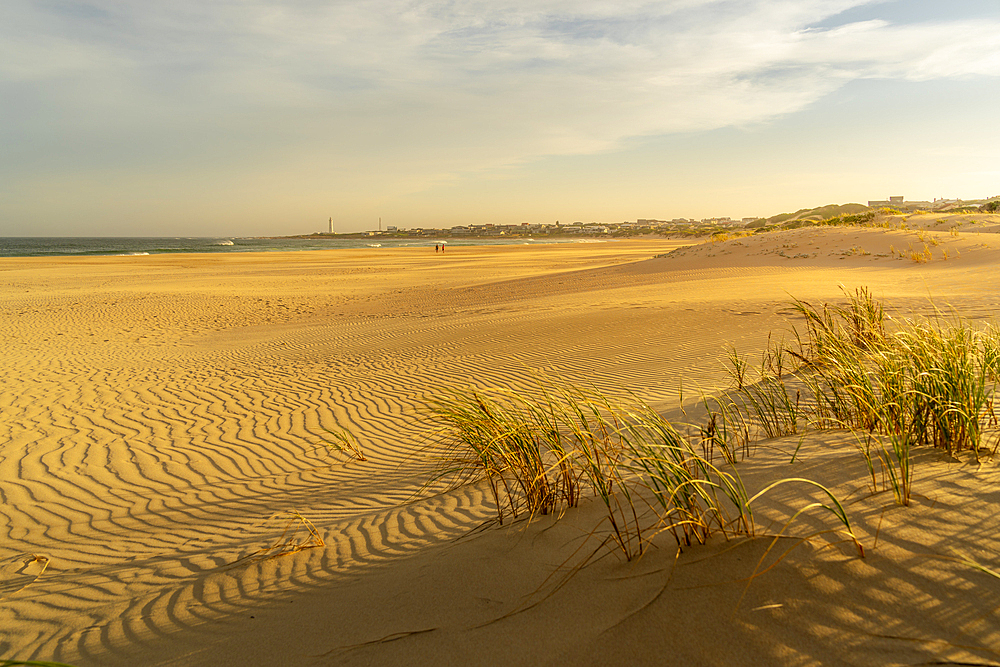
927	382
540	452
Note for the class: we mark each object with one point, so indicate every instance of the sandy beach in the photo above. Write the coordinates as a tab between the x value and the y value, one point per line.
163	459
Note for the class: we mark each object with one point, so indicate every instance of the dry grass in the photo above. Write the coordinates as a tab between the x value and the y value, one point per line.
920	256
721	237
926	383
540	452
918	383
297	533
343	442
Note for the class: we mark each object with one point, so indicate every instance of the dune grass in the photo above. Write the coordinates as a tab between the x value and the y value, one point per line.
727	429
297	533
936	378
540	452
925	383
511	442
759	401
896	384
344	442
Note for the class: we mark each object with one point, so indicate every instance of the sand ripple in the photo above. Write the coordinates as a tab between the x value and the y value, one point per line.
163	431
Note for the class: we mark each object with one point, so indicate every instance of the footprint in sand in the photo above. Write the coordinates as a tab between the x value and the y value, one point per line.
18	571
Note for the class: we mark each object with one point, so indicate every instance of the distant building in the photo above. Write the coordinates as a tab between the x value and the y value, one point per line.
912	206
891	201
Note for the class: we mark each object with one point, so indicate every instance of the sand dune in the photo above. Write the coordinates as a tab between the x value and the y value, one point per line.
163	420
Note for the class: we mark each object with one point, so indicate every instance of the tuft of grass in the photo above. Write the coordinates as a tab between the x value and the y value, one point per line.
737	367
861	325
920	256
927	383
726	429
721	237
769	402
541	451
774	360
693	498
512	441
290	541
927	238
344	442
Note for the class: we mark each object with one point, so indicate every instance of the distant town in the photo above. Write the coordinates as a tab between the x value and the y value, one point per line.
626	228
682	226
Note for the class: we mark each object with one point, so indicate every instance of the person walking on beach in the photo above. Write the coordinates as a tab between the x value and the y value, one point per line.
435	248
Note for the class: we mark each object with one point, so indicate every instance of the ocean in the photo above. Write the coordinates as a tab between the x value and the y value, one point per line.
75	247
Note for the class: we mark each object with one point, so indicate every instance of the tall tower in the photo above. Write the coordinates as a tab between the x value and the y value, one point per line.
331	225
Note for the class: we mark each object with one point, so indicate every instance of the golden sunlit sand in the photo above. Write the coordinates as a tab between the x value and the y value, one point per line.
168	496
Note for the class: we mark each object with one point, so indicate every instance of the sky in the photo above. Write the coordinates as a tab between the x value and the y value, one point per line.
254	117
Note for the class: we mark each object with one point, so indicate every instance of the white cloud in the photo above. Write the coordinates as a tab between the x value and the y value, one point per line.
442	87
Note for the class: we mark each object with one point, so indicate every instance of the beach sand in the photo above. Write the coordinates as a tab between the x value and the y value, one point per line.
163	427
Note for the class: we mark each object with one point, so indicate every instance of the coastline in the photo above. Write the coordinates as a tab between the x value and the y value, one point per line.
142	246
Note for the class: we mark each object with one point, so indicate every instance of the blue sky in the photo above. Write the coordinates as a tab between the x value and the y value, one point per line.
245	117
